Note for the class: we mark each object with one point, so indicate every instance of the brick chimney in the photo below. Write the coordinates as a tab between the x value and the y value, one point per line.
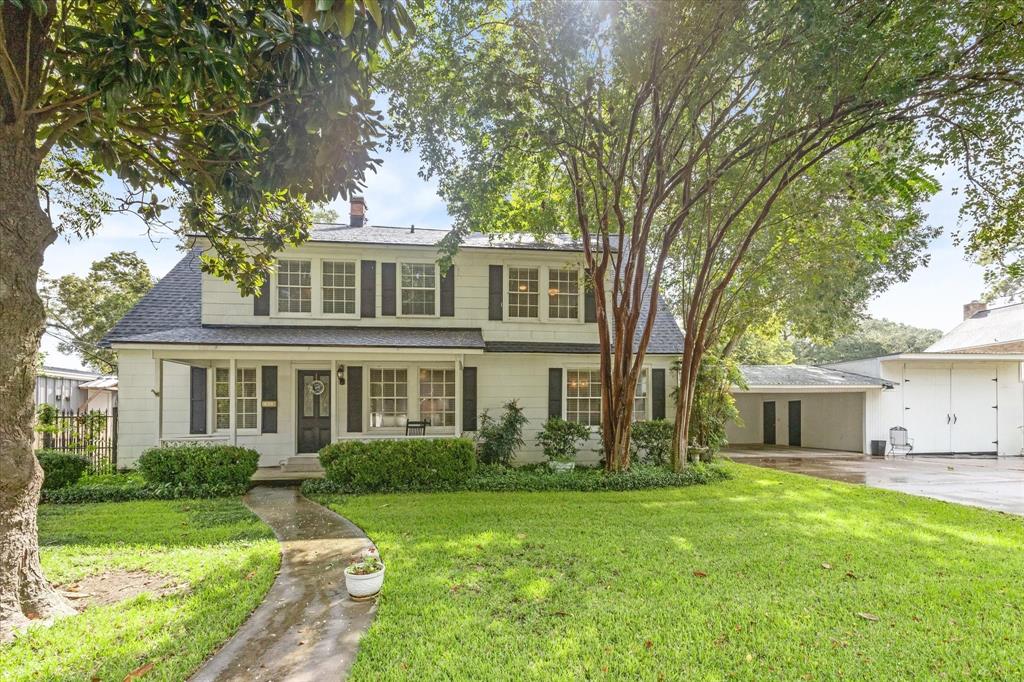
357	212
974	307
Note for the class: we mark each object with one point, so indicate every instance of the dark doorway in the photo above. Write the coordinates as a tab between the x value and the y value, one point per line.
794	423
769	422
314	409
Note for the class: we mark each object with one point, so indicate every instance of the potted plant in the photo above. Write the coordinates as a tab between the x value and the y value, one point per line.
364	578
560	440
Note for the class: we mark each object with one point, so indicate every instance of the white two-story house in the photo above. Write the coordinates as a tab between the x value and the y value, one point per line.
358	333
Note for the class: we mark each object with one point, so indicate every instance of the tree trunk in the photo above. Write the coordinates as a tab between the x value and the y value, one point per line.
688	368
25	232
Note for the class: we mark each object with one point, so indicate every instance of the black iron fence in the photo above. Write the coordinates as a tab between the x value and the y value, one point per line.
92	435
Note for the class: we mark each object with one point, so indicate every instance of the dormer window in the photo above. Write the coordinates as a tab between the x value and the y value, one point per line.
294	286
563	294
419	289
523	294
339	287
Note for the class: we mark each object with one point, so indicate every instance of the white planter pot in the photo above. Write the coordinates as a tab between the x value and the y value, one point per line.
362	586
561	467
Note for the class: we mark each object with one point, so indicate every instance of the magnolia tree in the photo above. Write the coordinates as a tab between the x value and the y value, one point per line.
658	130
248	111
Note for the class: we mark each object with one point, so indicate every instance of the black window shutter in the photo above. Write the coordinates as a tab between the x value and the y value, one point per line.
387	289
555	392
494	292
354	421
261	303
469	398
269	393
197	400
589	301
448	293
368	295
657	394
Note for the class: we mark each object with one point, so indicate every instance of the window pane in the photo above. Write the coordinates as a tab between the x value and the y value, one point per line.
418	285
640	402
339	287
294	286
245	397
222	391
583	396
523	292
563	294
437	396
388	397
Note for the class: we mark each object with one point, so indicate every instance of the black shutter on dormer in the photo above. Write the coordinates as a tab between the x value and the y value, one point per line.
261	303
268	385
197	400
589	305
555	392
657	394
494	292
388	286
448	293
368	294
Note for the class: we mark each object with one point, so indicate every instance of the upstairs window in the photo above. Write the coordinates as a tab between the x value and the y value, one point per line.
419	289
563	294
294	286
583	396
523	293
437	396
339	287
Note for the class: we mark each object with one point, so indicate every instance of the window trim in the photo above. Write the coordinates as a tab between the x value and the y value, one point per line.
456	396
320	289
507	292
399	289
316	269
543	301
233	409
275	285
413	396
645	374
645	371
579	293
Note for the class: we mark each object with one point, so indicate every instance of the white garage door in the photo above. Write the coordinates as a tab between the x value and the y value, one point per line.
927	408
951	408
974	395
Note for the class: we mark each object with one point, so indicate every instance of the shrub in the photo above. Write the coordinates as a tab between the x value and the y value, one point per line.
651	441
199	465
391	465
498	439
60	469
561	439
713	404
107	492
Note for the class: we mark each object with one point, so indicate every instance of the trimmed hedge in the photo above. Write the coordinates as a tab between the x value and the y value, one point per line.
391	465
104	492
60	469
539	479
198	465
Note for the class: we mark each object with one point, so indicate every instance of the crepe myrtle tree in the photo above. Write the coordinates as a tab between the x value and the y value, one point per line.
635	125
247	111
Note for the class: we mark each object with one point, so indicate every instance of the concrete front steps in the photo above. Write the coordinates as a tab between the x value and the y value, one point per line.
291	471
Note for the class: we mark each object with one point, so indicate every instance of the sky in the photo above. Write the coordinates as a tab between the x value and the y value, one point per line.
396	195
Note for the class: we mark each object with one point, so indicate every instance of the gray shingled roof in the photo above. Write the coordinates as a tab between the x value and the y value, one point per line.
401	236
985	328
171	314
805	375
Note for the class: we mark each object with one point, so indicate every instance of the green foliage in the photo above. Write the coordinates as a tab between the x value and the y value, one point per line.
561	439
113	492
651	442
387	465
497	478
498	439
197	465
60	469
81	310
872	338
46	419
713	404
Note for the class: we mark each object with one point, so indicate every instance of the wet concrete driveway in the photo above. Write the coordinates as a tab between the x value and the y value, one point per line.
307	628
996	484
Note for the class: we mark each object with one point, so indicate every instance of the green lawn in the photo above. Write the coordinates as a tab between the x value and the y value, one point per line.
227	556
707	582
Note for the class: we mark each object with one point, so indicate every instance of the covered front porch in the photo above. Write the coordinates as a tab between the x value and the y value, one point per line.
289	403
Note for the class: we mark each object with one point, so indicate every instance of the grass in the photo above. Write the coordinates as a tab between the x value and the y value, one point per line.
226	554
726	581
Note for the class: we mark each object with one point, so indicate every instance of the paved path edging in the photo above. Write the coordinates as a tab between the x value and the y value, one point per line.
307	628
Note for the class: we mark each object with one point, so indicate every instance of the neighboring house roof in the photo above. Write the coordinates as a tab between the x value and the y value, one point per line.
804	375
68	373
986	331
171	313
106	383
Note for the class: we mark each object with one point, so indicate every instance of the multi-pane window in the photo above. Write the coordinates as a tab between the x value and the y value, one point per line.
419	283
437	396
640	401
246	404
563	294
339	287
294	286
222	397
522	292
389	397
583	396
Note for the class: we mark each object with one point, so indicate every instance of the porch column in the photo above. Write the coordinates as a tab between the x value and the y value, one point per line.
335	388
460	362
231	397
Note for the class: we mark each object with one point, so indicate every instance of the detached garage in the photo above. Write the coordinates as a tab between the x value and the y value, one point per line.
804	406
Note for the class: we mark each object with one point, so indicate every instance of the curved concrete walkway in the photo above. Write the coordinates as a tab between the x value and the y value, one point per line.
306	628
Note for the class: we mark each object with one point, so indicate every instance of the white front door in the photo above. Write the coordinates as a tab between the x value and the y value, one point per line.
926	408
974	396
